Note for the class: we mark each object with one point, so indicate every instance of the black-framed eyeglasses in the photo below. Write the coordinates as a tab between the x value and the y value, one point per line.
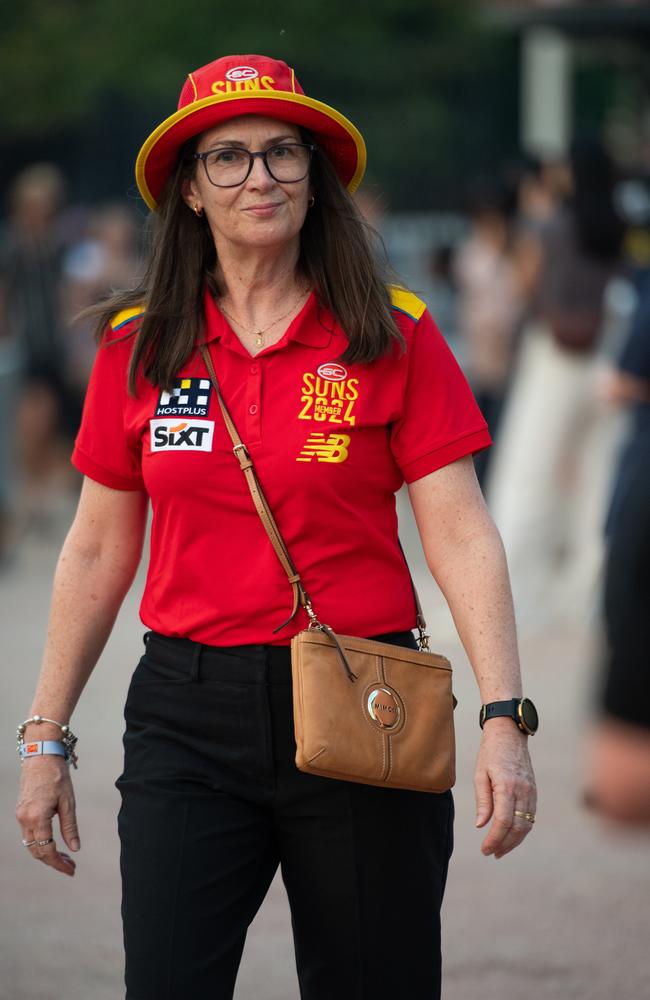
230	166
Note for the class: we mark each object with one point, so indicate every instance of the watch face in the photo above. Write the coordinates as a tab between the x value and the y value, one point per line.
529	715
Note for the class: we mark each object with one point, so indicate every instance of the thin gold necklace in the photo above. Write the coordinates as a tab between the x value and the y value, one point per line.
260	333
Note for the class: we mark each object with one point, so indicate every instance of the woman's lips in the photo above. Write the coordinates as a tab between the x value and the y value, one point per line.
262	211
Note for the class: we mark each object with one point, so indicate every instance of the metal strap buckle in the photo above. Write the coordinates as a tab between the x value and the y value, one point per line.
423	640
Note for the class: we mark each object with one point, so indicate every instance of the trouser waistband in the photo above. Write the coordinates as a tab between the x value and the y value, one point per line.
250	663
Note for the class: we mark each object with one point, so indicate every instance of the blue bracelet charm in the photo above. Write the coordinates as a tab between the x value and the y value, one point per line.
39	747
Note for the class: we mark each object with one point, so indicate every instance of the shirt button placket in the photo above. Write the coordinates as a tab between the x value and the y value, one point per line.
253	403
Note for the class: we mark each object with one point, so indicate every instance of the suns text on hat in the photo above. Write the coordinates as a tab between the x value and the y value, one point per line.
242	83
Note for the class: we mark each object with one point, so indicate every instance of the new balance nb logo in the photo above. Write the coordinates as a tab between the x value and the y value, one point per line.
333	448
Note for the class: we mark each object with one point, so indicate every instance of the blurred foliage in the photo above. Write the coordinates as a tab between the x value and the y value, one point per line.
403	70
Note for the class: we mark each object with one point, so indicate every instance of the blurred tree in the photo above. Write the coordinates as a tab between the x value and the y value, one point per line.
409	72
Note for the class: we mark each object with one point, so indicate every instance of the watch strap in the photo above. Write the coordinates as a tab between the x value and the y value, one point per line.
507	709
494	709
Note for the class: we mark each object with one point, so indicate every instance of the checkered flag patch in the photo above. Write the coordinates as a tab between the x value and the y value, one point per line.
189	397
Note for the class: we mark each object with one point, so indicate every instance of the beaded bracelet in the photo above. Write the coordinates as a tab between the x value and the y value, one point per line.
68	739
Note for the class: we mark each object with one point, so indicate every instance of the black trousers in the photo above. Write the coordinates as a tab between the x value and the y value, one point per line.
212	803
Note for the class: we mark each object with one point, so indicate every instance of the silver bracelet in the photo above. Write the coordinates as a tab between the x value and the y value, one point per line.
68	740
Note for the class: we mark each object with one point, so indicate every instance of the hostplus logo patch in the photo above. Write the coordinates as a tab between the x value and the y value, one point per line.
190	397
189	400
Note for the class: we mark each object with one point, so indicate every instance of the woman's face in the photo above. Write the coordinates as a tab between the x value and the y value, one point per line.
261	212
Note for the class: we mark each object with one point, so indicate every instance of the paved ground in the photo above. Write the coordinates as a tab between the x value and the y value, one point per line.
565	916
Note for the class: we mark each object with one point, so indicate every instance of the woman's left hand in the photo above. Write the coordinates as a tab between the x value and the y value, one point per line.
504	781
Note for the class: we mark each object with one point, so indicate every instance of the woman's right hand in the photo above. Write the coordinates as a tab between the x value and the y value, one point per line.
45	790
98	560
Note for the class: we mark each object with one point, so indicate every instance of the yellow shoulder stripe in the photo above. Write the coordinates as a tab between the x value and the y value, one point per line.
406	302
125	316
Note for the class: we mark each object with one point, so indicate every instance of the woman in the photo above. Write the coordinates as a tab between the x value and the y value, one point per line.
490	302
260	254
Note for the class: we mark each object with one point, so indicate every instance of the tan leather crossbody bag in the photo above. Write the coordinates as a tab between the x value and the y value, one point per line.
364	710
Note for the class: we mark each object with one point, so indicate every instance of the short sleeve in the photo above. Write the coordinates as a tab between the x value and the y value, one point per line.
102	450
440	420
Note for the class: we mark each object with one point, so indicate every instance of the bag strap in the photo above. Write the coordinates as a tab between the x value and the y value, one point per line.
300	595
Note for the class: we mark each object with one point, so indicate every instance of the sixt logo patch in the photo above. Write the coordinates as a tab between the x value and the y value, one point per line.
183	435
190	397
332	372
242	73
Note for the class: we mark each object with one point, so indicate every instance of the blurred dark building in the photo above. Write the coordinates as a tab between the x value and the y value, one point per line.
584	69
96	156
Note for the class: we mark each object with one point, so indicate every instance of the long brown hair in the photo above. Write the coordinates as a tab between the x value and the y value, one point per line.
338	256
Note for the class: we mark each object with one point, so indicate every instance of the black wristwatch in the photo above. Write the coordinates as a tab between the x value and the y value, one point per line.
521	710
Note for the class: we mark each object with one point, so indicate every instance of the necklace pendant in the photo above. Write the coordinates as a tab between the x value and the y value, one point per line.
260	341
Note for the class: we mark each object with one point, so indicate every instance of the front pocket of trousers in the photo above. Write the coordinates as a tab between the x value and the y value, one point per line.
198	725
152	671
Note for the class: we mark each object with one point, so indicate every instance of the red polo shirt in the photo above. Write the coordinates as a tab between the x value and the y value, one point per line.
331	444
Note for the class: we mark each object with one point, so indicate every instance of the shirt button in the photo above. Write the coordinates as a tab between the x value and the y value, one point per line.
254	369
253	409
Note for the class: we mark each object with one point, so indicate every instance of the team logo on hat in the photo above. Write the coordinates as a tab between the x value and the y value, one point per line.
190	397
241	73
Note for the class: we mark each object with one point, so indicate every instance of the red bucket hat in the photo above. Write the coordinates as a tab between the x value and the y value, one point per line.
246	85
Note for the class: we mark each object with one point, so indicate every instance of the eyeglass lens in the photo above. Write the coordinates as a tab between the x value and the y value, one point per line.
230	166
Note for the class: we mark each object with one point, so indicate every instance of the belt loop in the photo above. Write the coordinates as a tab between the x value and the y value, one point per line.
146	637
196	662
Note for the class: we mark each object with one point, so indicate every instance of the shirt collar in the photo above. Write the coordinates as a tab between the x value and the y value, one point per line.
313	326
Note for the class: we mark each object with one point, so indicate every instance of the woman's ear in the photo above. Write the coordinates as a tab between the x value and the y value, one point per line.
190	194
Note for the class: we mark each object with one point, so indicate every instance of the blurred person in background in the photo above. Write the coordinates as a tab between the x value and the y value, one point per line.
42	410
618	761
104	259
441	294
490	303
551	470
538	192
538	197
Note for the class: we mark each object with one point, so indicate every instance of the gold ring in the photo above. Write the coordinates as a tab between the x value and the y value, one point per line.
525	815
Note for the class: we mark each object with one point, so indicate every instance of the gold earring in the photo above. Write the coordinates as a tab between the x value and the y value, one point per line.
198	211
311	201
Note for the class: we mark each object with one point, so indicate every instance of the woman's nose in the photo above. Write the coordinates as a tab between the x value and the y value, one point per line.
259	176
